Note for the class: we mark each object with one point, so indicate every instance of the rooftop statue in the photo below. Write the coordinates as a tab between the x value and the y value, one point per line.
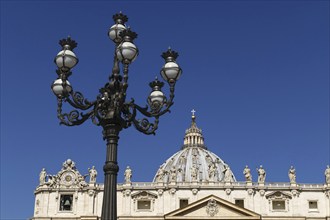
92	175
228	174
247	174
327	174
42	177
261	174
292	174
128	175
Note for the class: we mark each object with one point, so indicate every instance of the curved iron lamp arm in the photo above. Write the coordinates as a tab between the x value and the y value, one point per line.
72	118
77	100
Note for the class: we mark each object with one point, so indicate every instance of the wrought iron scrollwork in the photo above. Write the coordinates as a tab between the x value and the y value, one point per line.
79	101
144	126
72	118
109	107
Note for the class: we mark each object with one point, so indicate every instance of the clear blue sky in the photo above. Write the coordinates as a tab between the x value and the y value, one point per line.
256	72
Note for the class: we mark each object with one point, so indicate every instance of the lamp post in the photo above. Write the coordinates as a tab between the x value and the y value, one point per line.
110	110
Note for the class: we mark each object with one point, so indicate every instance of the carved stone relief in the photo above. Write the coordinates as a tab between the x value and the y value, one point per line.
278	195
228	191
91	192
194	191
262	192
68	177
143	195
295	193
127	192
172	191
250	191
212	208
160	192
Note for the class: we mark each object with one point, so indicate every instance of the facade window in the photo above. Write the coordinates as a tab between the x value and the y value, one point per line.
144	201
278	201
239	202
312	205
66	202
144	205
183	203
278	205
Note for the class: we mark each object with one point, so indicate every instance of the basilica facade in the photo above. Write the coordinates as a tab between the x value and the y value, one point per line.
194	183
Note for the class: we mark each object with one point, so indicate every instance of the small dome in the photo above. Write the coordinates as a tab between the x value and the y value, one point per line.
194	163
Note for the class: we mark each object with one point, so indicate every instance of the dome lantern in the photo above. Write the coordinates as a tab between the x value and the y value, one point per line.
193	136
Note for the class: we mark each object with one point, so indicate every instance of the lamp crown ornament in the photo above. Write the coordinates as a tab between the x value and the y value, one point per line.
128	35
156	84
170	55
68	42
120	18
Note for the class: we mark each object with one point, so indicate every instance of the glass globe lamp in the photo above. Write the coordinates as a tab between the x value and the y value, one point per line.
60	89
171	72
126	51
66	60
156	98
114	33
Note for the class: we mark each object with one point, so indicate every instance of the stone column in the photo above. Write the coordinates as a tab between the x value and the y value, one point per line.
160	208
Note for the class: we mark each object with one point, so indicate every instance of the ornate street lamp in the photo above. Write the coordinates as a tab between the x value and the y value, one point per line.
110	109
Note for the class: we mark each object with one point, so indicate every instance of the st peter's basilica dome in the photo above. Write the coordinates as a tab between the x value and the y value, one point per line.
194	162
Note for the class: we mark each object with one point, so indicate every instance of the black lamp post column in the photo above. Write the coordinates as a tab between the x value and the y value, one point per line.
109	208
110	110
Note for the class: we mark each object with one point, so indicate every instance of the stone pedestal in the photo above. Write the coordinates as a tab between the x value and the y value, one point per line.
160	184
127	185
172	184
92	185
194	183
227	183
